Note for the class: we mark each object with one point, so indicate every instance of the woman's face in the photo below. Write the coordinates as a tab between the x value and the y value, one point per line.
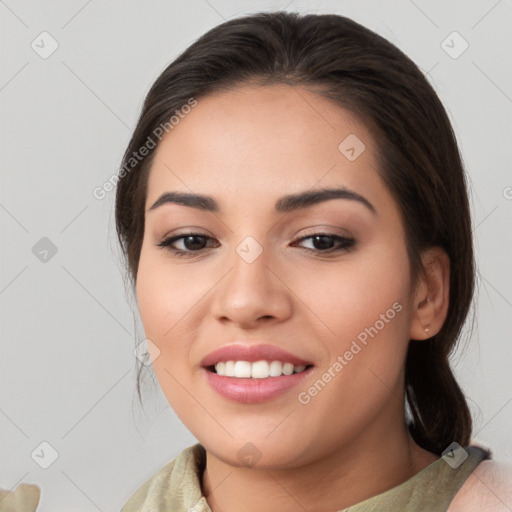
339	303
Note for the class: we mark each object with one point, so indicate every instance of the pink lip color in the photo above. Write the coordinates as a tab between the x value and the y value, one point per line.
251	391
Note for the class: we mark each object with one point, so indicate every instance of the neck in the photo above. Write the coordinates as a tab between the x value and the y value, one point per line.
374	462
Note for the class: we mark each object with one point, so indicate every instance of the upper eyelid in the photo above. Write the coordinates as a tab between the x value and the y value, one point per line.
298	237
326	229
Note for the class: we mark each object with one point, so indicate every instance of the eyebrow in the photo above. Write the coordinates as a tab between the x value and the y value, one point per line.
285	204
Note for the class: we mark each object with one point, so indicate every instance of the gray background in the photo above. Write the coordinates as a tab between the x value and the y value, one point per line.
67	366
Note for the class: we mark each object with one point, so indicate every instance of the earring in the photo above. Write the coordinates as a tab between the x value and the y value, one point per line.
426	328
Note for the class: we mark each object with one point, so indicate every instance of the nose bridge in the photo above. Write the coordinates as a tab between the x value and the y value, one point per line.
250	264
251	290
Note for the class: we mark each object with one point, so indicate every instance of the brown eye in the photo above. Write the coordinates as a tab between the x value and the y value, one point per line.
194	242
325	242
190	243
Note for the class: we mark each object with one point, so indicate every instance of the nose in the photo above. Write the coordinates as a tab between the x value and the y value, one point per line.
252	294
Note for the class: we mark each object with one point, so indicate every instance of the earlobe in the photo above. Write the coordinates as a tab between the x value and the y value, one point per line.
431	298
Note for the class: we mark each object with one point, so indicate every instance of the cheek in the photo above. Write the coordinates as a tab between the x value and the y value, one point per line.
163	304
165	296
364	303
351	295
171	301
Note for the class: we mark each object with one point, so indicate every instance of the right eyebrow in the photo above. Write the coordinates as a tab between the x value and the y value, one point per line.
193	200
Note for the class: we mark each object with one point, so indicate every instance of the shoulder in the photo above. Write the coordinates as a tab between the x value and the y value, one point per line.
159	492
139	499
489	488
25	498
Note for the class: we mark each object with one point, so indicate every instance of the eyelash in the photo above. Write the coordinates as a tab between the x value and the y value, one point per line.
346	244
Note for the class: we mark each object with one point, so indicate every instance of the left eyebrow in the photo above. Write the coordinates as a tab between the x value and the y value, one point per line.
305	199
285	204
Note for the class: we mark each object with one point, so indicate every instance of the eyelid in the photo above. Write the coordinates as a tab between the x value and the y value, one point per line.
189	230
326	229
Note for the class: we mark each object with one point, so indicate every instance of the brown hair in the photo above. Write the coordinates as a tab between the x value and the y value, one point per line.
418	159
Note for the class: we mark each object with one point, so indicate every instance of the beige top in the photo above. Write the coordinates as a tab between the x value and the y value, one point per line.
24	498
177	486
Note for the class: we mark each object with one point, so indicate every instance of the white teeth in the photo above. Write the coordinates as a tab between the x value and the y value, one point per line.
276	368
260	370
229	370
287	368
242	369
257	370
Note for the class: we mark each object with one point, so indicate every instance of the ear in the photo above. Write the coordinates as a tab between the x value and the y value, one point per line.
431	297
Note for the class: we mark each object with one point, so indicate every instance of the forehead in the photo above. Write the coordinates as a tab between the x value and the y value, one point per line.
263	141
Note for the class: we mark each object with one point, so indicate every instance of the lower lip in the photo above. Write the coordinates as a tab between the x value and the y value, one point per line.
252	391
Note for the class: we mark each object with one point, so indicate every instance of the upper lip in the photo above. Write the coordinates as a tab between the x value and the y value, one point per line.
251	353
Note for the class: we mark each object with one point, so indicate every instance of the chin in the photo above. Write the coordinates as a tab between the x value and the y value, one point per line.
256	451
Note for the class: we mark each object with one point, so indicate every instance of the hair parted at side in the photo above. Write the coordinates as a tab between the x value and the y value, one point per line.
417	153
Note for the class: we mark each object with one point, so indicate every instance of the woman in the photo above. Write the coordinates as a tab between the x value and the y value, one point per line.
293	210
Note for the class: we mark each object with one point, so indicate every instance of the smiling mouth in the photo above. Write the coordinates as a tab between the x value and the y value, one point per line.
256	370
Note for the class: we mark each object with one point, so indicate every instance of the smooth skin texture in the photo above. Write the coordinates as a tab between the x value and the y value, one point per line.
488	488
246	148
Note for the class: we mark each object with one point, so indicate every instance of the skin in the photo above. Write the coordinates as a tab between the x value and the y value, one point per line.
246	148
488	488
